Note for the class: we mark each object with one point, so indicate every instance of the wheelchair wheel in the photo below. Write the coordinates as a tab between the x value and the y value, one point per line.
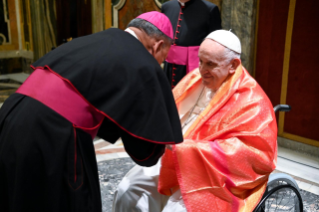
280	179
281	199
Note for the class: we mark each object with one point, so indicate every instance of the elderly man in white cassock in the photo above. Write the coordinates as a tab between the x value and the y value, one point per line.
229	146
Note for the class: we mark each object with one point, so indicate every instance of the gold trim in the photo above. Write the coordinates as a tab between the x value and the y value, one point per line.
284	84
13	15
256	38
21	24
7	47
107	14
30	25
26	45
300	139
6	16
18	21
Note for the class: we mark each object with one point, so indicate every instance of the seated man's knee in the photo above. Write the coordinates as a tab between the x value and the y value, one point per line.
136	190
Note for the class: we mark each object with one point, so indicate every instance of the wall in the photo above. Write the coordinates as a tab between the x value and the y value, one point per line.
16	51
43	18
133	8
240	17
286	65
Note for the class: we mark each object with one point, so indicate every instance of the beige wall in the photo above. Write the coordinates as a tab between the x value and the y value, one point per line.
43	18
98	15
240	16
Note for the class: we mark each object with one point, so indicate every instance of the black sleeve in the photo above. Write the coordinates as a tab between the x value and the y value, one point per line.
109	131
142	152
215	22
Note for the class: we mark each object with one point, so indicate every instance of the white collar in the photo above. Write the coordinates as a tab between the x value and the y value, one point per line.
183	4
131	32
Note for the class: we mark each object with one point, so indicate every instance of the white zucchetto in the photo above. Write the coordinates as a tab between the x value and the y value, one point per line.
227	39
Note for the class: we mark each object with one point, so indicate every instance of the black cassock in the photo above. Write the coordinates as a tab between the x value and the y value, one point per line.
191	24
48	165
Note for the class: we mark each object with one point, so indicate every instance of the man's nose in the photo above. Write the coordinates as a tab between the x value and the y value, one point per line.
203	68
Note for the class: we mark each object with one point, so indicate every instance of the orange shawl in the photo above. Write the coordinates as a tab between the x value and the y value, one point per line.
228	152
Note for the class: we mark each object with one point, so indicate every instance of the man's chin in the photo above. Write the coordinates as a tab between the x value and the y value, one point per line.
207	83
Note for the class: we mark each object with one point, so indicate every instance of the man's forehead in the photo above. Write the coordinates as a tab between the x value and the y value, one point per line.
211	47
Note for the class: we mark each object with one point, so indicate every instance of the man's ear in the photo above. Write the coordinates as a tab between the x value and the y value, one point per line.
158	46
234	65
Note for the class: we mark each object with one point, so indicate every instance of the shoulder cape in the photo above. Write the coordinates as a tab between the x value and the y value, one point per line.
116	74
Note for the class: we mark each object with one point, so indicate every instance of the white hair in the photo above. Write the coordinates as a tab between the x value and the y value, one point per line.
230	55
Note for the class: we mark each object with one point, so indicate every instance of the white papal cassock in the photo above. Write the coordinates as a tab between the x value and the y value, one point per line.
137	191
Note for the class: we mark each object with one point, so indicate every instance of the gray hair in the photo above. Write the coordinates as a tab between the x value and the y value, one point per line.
230	55
150	30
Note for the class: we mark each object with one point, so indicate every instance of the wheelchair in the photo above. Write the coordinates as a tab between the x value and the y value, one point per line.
282	193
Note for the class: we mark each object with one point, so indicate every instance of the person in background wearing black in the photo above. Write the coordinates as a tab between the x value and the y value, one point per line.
192	21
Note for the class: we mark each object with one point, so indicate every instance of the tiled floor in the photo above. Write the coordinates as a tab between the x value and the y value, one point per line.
304	169
111	173
107	151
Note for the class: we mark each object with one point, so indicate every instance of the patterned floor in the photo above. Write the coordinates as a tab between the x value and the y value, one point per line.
107	151
111	173
114	163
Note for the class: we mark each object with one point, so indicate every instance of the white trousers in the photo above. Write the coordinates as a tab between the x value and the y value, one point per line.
137	192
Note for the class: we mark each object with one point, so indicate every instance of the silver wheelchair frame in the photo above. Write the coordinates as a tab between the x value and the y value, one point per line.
280	181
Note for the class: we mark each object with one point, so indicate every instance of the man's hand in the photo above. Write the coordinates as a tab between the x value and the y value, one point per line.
169	146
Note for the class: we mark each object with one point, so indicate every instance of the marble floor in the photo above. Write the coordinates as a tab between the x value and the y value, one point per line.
107	151
114	163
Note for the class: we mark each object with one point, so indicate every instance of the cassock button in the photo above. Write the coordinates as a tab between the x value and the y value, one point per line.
178	25
180	19
176	38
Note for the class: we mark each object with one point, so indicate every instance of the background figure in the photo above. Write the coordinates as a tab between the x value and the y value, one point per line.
192	21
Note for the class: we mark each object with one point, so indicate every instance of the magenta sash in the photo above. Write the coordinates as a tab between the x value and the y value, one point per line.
181	55
59	94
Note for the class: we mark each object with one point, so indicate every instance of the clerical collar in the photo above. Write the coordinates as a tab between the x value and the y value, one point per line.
183	4
131	32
